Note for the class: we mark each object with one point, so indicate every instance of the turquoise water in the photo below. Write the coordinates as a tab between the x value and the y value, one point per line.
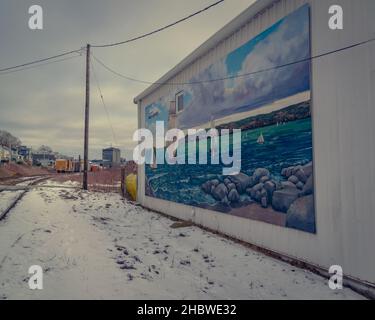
285	145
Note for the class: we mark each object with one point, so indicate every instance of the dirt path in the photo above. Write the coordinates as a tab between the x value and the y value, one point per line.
94	245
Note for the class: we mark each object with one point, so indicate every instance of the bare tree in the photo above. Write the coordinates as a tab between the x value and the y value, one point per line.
45	149
7	139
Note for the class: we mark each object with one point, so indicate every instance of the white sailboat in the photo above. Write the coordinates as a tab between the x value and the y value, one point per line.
261	139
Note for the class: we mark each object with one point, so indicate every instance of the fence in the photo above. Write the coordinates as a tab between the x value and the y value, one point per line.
106	180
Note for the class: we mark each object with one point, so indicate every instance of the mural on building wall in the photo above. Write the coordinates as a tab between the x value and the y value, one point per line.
272	107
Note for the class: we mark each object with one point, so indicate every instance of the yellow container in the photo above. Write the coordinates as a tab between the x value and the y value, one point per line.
131	186
61	165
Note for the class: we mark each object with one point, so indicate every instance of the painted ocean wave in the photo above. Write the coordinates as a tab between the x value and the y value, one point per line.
285	145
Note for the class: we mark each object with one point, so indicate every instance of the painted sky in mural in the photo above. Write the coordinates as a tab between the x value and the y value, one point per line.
157	111
285	42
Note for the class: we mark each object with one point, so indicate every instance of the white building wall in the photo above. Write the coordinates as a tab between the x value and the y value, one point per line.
343	106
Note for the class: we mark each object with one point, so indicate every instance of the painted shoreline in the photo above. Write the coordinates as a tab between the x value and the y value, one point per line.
265	109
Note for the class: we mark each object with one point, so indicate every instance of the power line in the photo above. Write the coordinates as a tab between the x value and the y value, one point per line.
160	29
40	60
39	65
104	105
234	76
121	75
114	44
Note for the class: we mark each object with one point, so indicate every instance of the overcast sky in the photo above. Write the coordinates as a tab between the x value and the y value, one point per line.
45	105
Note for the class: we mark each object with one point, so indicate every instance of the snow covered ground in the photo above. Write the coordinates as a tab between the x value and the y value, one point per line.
96	246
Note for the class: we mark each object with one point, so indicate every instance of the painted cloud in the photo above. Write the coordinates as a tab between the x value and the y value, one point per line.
284	43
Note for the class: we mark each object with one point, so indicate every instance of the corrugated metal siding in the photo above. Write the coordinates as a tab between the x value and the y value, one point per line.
343	90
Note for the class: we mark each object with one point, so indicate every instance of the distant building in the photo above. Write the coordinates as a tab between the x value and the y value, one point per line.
112	156
5	154
24	152
15	156
43	159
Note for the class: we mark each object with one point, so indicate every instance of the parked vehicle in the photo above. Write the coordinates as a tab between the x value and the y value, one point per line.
64	165
95	168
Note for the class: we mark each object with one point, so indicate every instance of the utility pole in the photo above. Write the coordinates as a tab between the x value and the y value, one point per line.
87	116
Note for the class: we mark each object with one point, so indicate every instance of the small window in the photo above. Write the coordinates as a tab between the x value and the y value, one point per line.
180	101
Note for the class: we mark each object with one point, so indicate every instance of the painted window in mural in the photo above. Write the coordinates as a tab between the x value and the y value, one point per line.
180	101
272	108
